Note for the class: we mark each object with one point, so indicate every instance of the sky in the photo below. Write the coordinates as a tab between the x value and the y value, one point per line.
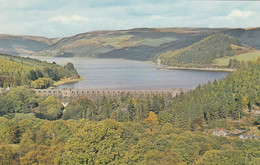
59	18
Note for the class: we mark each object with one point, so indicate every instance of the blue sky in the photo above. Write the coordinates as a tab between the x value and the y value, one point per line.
56	18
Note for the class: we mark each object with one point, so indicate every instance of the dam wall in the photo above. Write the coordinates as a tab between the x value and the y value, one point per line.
96	93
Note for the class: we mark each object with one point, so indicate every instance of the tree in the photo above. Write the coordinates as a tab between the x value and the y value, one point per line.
42	83
197	124
7	155
168	157
20	100
81	108
69	66
131	109
50	109
152	119
43	155
96	144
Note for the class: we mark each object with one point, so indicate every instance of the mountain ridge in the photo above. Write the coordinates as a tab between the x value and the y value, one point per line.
135	44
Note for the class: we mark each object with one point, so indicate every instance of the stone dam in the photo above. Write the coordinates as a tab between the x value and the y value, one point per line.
69	93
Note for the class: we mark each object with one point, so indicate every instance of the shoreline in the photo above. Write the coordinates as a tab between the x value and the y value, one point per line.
213	69
200	69
66	81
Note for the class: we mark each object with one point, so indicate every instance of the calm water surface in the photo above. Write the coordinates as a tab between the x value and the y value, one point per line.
128	74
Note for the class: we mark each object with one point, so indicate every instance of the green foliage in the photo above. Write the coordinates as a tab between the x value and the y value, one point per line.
7	155
69	66
18	71
81	108
197	124
19	100
42	83
96	144
201	53
228	98
145	131
131	110
234	63
110	142
226	157
50	109
120	109
251	56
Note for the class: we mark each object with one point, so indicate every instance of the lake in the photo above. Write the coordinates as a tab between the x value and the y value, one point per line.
128	74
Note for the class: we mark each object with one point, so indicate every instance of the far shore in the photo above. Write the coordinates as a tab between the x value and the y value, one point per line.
201	69
66	81
214	69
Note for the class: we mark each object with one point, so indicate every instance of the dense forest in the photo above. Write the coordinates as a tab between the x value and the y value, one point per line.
18	71
201	53
129	130
35	141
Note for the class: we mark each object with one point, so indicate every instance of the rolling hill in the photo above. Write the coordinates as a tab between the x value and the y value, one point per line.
249	37
203	52
94	44
17	45
113	44
135	44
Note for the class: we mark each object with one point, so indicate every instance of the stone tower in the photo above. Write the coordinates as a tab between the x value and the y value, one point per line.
159	63
66	92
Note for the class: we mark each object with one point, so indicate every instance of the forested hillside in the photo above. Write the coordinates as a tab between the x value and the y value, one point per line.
18	71
134	131
232	97
201	53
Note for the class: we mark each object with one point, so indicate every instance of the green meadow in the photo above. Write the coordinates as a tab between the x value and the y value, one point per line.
242	57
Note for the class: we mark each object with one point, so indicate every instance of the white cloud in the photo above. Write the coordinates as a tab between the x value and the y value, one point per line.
65	18
68	19
240	14
237	14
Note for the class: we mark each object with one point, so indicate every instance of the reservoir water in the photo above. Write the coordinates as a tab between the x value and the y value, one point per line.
128	74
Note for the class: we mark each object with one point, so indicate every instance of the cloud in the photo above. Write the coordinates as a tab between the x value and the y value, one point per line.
237	14
64	18
68	19
240	14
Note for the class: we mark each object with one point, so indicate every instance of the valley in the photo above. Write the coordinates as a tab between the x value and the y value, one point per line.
178	47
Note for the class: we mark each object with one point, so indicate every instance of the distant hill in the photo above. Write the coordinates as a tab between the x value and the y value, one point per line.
94	44
17	45
249	37
144	52
135	44
203	52
130	44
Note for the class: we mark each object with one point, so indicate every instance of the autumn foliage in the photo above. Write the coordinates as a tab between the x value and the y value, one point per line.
152	119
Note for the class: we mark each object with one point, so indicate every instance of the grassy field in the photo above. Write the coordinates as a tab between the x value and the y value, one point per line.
156	42
251	56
